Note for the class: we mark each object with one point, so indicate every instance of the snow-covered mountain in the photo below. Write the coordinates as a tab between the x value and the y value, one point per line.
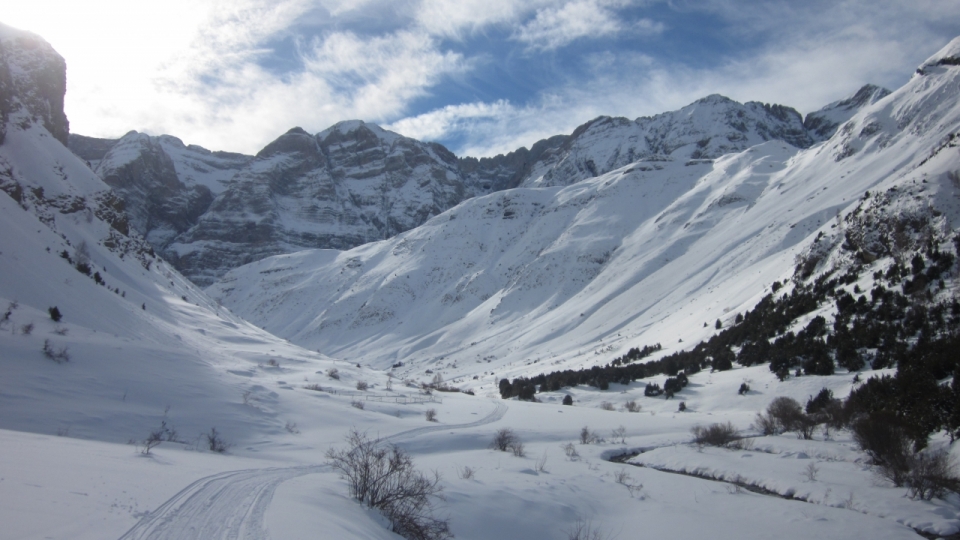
100	337
541	278
208	212
138	350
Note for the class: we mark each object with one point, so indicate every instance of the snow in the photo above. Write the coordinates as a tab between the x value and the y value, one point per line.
518	282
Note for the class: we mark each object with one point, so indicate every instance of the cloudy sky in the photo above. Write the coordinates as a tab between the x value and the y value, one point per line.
480	76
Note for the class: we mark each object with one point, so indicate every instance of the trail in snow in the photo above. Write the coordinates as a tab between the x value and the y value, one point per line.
232	505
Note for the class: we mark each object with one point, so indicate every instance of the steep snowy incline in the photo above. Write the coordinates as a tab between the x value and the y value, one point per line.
560	275
100	338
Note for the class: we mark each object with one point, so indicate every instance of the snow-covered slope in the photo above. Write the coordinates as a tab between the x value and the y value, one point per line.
136	341
644	254
355	182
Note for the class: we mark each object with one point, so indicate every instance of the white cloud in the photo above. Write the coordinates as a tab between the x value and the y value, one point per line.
555	27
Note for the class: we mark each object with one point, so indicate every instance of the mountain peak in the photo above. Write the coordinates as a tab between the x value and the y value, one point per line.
949	55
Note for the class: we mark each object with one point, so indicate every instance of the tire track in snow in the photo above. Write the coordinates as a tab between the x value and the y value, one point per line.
232	505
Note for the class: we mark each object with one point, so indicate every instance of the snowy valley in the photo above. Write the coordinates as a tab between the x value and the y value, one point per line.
135	404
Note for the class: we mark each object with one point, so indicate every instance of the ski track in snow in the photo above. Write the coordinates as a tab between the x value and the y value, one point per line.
232	505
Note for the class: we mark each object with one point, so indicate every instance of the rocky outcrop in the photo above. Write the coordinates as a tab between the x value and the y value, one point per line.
209	212
348	185
32	79
823	124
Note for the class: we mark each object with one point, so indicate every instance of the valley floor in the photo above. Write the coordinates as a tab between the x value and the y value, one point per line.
280	487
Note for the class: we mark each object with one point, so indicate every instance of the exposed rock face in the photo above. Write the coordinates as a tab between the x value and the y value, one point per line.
90	149
208	212
824	123
351	184
33	78
704	130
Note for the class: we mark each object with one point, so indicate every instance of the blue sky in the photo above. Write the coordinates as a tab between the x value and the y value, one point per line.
480	76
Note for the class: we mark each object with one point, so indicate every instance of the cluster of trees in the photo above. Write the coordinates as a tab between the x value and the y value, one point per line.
896	324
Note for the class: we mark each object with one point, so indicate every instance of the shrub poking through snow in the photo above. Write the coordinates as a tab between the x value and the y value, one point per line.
570	450
362	385
382	476
568	399
215	441
504	439
607	406
357	404
631	406
333	373
714	434
55	314
58	355
587	436
431	415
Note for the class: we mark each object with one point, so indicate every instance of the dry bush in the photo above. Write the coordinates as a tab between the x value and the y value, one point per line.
357	404
587	436
542	462
810	472
383	477
619	434
315	387
362	385
431	415
714	434
465	473
215	441
631	406
504	439
584	530
333	373
570	450
885	440
26	329
933	474
59	356
741	444
785	414
518	449
607	406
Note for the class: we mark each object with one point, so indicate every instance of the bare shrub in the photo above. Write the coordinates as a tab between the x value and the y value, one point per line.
59	356
333	373
362	385
785	414
631	406
215	441
291	427
518	449
765	424
607	406
357	404
882	436
714	434
619	434
933	474
584	530
504	439
465	473
61	331
315	387
383	477
542	462
810	472
741	444
157	436
623	478
26	329
570	450
431	415
587	436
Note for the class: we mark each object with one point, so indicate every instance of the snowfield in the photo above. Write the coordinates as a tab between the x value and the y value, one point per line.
515	283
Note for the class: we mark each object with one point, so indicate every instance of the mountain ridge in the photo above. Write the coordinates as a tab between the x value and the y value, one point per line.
350	184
